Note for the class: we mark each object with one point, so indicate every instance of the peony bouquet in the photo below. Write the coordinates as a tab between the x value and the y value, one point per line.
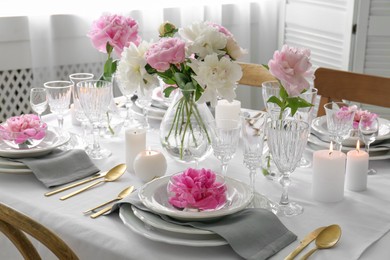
292	67
22	130
360	115
200	62
196	189
113	33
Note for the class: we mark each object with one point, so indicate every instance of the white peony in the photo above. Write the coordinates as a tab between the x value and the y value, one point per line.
217	77
131	72
203	39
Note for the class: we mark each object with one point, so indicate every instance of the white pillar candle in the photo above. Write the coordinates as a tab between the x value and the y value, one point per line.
357	167
135	143
328	175
150	164
228	110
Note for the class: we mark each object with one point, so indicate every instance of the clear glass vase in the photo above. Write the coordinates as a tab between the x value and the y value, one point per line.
184	130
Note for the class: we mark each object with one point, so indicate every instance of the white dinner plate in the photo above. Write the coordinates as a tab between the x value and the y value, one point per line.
54	138
157	222
152	111
154	196
15	170
136	225
319	126
4	162
374	155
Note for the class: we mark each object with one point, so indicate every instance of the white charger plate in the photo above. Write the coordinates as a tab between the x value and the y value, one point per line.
157	222
136	225
54	138
319	125
154	196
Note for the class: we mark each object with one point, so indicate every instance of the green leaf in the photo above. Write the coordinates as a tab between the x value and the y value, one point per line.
283	93
168	91
275	100
149	69
181	80
265	66
109	49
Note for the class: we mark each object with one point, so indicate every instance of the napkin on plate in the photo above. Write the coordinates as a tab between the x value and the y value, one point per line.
252	233
60	167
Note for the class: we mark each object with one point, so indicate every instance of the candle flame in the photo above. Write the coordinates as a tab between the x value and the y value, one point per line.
331	148
358	145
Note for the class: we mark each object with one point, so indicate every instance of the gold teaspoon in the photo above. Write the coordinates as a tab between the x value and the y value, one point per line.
326	239
120	196
111	175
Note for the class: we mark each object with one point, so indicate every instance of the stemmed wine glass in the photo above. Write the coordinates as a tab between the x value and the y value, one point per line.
253	135
368	131
58	93
38	100
339	119
225	136
95	97
79	114
145	100
287	140
128	90
198	143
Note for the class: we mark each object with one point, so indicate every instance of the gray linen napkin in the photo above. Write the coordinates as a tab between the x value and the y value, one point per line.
254	234
60	167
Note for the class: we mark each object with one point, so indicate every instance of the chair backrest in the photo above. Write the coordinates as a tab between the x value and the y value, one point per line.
337	85
15	224
254	74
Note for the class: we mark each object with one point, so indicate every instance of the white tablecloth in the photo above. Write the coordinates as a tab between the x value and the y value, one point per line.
363	216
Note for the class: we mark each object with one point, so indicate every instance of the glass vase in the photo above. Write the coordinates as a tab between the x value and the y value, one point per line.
184	130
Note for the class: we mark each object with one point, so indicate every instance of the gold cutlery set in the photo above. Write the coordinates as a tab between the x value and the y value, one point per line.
109	176
325	237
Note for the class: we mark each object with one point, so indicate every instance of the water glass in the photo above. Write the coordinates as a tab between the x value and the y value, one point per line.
58	93
269	89
38	100
225	136
287	140
145	100
76	78
368	131
339	119
95	97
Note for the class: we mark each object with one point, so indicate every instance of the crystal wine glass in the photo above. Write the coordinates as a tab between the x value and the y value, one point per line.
58	93
145	100
368	131
38	100
253	134
287	140
339	119
128	90
79	113
225	136
95	97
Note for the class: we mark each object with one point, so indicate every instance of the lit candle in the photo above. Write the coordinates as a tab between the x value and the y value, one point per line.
357	167
150	164
228	110
135	143
328	175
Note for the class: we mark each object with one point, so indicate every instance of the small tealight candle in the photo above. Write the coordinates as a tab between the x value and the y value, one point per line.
328	175
150	164
357	167
135	143
228	110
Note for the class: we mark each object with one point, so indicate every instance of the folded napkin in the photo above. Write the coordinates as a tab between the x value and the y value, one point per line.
60	167
253	233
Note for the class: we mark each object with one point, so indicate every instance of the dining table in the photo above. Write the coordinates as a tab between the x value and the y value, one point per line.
364	217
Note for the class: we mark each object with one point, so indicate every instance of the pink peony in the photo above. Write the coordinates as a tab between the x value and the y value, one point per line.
21	128
293	68
196	189
117	30
365	116
346	112
165	52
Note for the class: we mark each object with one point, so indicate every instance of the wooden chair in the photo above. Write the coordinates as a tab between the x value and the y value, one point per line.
254	74
13	224
337	85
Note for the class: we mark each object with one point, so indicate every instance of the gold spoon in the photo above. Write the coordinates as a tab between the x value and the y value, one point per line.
326	239
120	196
111	175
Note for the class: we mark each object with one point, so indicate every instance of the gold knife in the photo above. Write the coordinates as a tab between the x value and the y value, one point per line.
304	242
